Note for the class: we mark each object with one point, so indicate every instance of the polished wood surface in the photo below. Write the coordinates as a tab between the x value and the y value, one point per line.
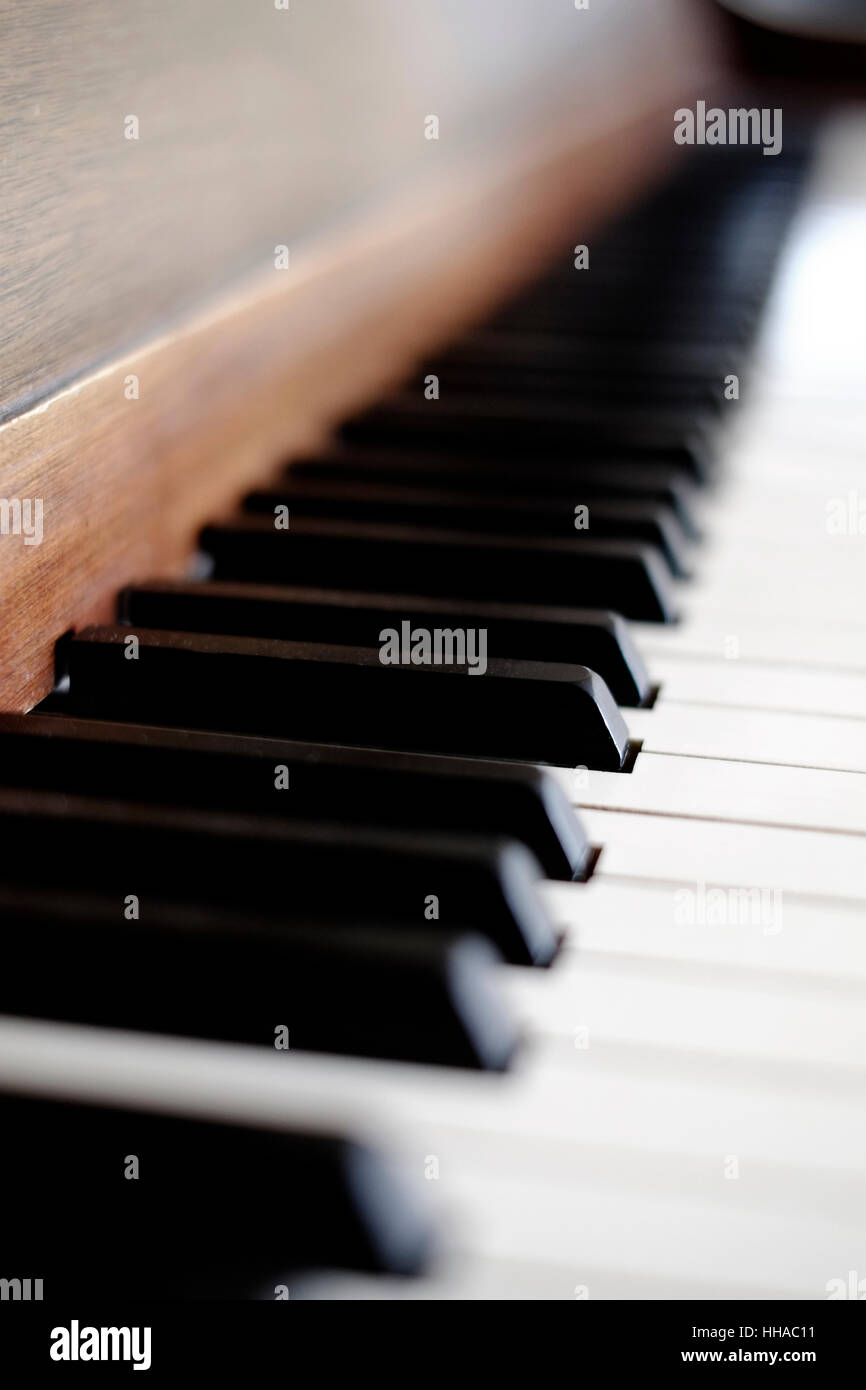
256	127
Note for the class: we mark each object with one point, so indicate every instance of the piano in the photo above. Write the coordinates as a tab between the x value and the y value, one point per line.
432	748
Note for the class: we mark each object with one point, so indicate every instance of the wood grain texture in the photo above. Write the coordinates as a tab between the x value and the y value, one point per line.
257	127
266	370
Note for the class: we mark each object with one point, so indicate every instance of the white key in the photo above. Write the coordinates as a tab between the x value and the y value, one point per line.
662	921
838	560
603	1125
475	1277
795	740
824	514
180	1075
819	865
732	632
532	1246
708	1009
717	790
735	684
784	597
664	1237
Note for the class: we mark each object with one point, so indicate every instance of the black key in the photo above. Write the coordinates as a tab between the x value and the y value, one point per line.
601	641
689	361
629	578
220	1206
484	423
528	711
559	483
557	381
414	997
665	318
358	786
286	872
480	513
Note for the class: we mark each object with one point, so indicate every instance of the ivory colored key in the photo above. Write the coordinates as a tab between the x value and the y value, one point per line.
756	736
649	1241
716	790
741	684
733	633
474	1277
789	597
703	1007
833	556
817	864
718	926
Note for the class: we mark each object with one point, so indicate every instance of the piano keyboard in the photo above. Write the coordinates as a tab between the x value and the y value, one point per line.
541	981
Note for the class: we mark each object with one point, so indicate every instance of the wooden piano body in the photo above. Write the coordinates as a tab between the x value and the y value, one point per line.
157	356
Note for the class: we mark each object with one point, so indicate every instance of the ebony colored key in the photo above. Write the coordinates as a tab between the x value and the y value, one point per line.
479	513
601	641
500	426
540	352
560	482
414	997
667	316
625	576
358	786
557	380
286	872
528	711
219	1206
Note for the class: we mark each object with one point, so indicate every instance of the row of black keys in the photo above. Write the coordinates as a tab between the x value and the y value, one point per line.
243	881
254	910
225	887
